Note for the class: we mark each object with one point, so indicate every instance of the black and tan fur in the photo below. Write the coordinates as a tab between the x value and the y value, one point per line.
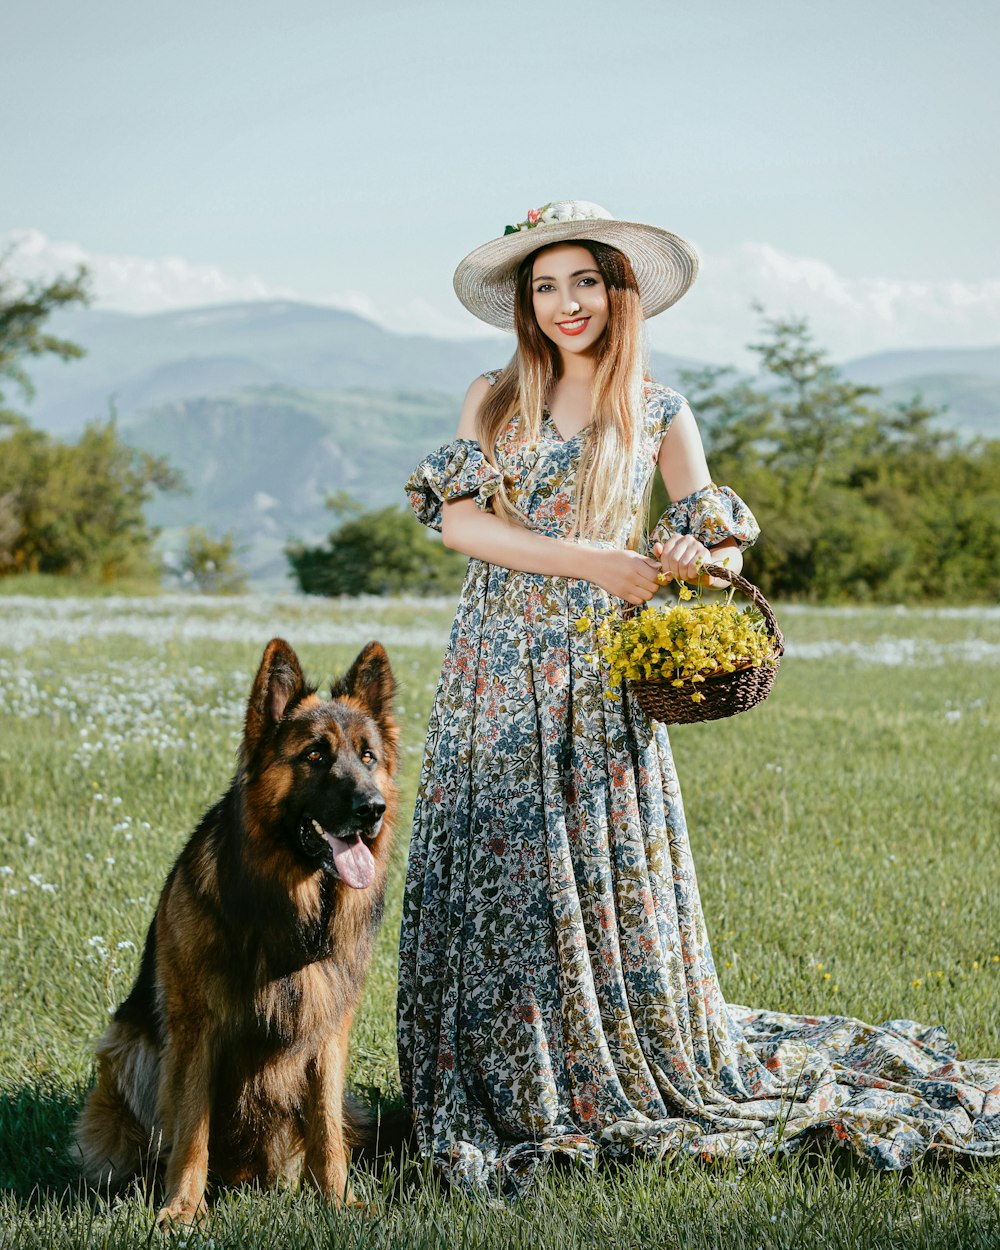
228	1057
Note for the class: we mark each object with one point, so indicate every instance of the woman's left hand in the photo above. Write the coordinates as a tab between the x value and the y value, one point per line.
680	556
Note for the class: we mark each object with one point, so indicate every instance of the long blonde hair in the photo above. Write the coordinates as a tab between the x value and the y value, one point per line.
605	476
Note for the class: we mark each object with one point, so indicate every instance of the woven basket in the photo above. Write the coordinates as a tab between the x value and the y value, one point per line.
726	694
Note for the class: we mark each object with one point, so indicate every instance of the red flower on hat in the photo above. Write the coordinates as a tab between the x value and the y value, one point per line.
534	217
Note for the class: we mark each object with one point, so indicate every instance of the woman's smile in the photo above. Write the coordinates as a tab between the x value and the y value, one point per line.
573	327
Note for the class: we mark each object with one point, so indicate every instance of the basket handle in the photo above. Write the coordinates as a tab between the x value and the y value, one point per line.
751	592
755	597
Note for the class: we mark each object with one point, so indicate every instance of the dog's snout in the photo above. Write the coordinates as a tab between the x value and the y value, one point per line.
368	807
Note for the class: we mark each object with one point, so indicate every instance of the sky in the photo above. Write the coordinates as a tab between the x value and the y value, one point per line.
834	161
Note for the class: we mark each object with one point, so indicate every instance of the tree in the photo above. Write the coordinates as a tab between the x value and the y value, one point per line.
381	552
855	498
73	508
24	309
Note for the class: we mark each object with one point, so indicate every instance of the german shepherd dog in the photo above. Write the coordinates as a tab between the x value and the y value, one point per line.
228	1057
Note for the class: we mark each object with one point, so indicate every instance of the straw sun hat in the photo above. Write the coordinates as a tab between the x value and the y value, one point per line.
665	265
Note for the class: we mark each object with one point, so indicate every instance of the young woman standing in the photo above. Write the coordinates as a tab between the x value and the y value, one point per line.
557	991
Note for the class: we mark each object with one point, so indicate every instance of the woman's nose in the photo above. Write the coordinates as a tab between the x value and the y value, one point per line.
571	306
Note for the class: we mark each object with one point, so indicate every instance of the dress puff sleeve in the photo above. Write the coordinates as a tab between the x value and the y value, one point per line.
712	515
457	469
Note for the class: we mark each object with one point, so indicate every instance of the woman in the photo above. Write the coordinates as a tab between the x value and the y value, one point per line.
557	991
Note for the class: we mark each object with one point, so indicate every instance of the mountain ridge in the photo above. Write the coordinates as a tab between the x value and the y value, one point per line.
137	361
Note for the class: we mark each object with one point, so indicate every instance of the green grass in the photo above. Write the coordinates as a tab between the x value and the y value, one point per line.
61	586
845	835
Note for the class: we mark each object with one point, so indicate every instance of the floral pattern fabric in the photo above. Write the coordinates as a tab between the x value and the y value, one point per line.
712	515
557	990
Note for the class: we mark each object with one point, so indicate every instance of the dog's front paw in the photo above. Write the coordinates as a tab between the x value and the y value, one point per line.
180	1215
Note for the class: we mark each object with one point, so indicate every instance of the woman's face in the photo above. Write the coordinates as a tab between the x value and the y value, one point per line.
569	297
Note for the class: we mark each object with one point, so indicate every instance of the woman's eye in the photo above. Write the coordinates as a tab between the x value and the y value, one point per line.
588	282
545	286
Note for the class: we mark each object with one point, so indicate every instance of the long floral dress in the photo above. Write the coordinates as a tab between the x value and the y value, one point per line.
557	991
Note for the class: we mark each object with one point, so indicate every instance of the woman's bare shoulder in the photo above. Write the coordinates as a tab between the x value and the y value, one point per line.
468	422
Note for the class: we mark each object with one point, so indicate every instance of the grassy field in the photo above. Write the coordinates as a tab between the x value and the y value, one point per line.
845	832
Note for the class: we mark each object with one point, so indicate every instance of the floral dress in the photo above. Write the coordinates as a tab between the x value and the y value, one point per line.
557	991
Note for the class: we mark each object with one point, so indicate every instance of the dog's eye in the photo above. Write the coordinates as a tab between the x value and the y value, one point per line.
314	755
368	757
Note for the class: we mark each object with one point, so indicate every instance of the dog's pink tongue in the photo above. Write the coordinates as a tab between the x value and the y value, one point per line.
355	862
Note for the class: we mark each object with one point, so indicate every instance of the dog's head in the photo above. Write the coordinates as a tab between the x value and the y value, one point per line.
318	773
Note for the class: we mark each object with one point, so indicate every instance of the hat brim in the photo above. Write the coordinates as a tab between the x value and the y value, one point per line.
665	265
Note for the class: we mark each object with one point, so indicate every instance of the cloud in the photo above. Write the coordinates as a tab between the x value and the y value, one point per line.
132	283
137	284
849	316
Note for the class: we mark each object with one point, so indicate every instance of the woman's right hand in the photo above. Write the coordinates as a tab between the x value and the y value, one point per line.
625	574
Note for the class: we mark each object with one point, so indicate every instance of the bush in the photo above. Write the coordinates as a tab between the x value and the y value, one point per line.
77	508
209	564
382	552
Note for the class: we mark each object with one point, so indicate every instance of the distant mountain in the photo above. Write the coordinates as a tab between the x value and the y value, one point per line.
885	368
261	464
973	403
965	381
143	361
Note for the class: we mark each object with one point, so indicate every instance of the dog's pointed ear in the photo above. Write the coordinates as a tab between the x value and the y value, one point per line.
370	680
278	683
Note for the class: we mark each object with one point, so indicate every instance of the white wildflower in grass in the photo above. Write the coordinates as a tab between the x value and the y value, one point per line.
407	621
897	651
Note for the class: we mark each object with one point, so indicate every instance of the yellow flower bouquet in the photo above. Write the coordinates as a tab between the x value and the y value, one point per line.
695	660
